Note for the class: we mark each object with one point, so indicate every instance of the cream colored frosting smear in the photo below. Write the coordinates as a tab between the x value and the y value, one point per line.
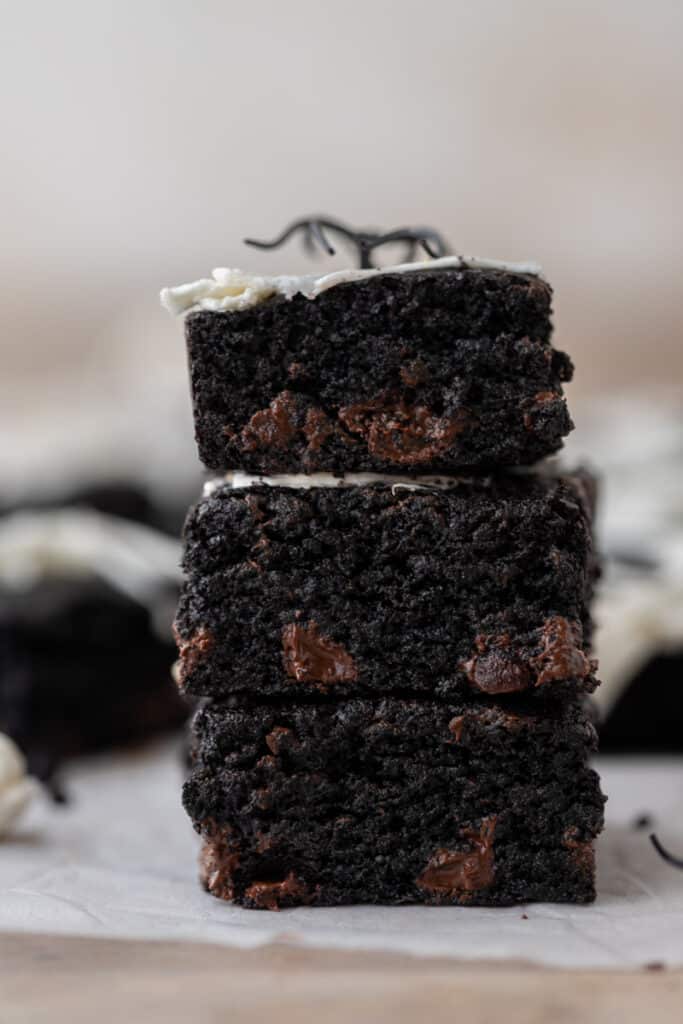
16	787
229	290
305	481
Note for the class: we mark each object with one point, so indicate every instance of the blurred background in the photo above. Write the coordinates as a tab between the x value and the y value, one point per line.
143	140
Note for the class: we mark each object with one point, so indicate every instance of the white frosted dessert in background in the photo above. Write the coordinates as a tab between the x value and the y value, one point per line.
78	542
639	608
86	606
17	788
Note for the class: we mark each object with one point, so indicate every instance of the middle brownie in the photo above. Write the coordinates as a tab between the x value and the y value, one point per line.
481	586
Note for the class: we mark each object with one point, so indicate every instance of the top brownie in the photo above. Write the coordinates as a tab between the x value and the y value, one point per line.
428	371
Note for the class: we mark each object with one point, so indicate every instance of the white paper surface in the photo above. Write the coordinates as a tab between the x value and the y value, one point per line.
120	860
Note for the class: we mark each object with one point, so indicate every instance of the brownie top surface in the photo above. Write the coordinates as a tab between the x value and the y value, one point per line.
230	290
433	370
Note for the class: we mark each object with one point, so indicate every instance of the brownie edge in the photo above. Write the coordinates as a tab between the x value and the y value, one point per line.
482	587
424	372
395	801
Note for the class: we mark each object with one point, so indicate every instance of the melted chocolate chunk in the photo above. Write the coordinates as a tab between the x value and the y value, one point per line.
538	404
455	873
193	650
495	668
455	727
273	427
280	738
561	656
401	433
317	428
311	658
583	853
270	895
218	861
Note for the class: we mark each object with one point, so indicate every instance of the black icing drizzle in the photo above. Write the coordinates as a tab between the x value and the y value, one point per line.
664	853
316	229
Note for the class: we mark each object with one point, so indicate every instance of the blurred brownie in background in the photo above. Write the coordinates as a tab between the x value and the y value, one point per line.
639	607
86	602
637	723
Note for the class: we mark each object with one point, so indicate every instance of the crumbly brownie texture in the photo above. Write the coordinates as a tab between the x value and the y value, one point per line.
481	588
81	669
422	372
395	801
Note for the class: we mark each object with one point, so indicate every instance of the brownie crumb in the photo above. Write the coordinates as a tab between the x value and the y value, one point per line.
311	658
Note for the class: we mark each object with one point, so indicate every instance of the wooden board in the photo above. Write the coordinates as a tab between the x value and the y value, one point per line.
84	981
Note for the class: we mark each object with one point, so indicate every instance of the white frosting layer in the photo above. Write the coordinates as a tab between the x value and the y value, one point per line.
132	558
230	289
302	481
16	787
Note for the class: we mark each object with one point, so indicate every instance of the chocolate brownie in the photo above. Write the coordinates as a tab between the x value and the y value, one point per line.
479	587
81	669
647	717
395	801
420	372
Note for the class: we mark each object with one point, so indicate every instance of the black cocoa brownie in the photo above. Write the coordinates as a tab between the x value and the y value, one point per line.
482	587
395	801
81	669
422	372
647	717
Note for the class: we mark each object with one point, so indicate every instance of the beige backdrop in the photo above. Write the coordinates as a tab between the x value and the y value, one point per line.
142	140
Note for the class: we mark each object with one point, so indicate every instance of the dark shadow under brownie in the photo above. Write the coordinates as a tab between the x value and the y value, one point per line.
421	372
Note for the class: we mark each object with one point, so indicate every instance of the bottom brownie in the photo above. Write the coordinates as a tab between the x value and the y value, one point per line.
396	801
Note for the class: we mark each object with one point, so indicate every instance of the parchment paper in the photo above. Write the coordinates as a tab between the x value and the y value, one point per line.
120	860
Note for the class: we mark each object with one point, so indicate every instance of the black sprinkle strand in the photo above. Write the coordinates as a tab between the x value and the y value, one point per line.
314	231
664	854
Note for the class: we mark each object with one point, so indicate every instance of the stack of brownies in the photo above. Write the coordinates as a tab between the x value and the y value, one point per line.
385	613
